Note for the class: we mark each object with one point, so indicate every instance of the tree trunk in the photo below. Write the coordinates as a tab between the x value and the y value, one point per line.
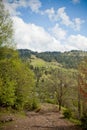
79	106
60	104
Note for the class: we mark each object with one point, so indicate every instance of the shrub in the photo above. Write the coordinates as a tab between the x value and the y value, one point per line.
67	113
32	104
52	101
84	121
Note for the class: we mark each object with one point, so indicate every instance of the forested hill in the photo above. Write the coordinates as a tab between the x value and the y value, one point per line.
69	59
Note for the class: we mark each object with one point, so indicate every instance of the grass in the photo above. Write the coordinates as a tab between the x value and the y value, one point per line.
7	112
37	62
71	119
75	121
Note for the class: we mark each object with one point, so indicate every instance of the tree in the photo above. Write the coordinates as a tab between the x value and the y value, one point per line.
6	27
16	82
38	73
45	89
64	85
6	33
16	79
83	83
54	86
60	85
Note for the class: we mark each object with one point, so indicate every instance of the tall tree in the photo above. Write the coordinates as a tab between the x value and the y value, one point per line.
6	27
60	85
16	79
16	82
83	83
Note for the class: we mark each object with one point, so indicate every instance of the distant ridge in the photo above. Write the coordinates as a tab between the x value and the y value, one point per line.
69	59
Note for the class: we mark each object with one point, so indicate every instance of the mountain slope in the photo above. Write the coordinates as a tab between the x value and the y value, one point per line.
69	59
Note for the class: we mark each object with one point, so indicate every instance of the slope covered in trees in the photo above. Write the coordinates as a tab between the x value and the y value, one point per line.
69	59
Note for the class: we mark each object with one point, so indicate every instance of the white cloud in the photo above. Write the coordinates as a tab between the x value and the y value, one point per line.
34	37
59	15
50	13
58	32
62	17
77	24
12	7
78	41
76	1
31	36
34	5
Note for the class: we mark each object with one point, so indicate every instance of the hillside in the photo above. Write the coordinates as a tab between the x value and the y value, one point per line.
69	59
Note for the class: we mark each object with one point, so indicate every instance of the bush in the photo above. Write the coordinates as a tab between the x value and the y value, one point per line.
84	121
32	104
52	101
67	113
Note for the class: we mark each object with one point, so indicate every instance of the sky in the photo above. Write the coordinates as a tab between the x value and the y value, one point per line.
49	25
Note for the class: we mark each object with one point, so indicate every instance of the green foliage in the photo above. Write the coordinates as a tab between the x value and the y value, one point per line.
75	121
57	85
51	101
84	121
66	59
7	93
67	113
53	82
32	104
16	82
16	79
6	28
24	53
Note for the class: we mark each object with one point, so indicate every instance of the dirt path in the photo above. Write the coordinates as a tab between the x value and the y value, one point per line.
40	121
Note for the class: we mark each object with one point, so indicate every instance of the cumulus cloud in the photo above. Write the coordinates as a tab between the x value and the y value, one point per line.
77	24
34	5
13	6
36	38
50	13
62	17
59	15
78	41
58	32
31	36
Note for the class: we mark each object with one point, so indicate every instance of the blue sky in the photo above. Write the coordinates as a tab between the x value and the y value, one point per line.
49	25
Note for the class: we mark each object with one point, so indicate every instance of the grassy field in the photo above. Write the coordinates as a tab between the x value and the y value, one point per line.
37	62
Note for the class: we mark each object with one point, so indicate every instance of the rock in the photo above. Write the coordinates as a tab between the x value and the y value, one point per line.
5	119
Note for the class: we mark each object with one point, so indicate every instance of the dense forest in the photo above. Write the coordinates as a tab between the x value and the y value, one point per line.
29	78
